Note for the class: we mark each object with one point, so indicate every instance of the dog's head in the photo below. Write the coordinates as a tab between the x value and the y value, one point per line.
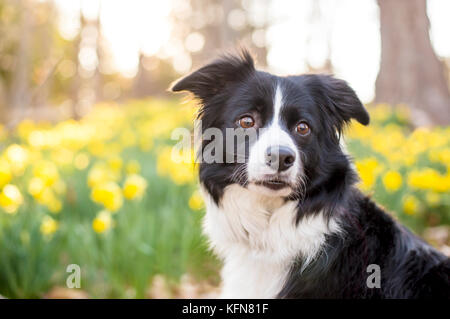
292	127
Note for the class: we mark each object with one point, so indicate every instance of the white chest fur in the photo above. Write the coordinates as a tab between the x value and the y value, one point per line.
258	239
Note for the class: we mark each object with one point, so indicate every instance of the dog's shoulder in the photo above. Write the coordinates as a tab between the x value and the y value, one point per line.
371	239
435	283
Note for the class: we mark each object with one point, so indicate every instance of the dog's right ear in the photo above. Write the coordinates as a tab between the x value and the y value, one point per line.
209	80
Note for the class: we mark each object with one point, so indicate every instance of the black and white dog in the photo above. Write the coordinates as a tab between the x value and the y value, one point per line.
288	221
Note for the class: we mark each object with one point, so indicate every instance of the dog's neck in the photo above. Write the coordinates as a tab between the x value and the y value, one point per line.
253	233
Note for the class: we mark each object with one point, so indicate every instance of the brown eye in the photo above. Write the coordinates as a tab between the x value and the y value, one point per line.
303	128
246	122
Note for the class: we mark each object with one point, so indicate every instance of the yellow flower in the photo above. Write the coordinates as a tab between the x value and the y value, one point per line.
359	131
44	195
97	148
115	164
134	187
10	198
133	167
128	138
5	173
429	178
47	171
432	198
196	201
54	205
18	158
100	174
392	181
410	205
109	195
102	222
403	112
368	170
25	128
59	187
62	156
49	226
183	174
440	155
35	186
179	166
380	112
145	143
81	161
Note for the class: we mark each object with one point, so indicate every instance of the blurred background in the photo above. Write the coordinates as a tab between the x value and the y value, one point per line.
86	175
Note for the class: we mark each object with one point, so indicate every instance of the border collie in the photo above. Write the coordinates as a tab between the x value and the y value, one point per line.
288	221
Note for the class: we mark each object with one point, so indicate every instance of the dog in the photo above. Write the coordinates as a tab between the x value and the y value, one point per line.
288	220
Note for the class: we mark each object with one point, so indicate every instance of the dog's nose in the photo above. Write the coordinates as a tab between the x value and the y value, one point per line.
280	157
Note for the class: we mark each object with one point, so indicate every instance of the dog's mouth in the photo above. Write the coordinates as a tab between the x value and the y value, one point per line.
273	184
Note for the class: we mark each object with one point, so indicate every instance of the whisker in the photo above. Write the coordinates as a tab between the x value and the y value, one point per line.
240	176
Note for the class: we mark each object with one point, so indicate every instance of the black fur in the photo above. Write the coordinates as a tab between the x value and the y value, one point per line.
410	268
230	87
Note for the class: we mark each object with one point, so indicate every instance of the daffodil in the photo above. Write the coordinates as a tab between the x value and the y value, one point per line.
109	195
410	205
196	201
102	222
128	138
49	226
368	170
18	157
132	167
134	186
46	197
47	171
54	205
392	181
36	186
145	143
440	155
10	198
100	173
62	156
430	179
5	172
25	128
115	164
432	198
381	112
179	166
81	161
402	112
59	187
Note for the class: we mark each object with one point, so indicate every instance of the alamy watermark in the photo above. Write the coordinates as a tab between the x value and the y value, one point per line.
374	279
74	279
209	143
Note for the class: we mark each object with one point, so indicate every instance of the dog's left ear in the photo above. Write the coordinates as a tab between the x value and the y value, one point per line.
214	77
342	100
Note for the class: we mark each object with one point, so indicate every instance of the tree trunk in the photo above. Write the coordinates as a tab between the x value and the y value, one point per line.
19	94
40	94
410	71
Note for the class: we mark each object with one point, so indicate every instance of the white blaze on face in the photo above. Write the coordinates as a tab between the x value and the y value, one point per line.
272	136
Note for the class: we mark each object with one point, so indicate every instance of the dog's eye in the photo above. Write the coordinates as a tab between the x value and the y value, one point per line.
303	128
246	121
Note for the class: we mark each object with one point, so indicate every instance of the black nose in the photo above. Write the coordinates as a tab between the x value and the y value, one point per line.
280	157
